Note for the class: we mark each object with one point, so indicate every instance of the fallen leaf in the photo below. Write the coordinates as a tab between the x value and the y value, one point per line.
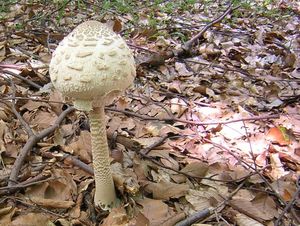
155	211
196	169
32	219
166	190
279	135
117	217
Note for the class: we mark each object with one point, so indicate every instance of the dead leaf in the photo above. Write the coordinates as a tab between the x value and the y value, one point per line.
166	190
244	220
6	215
181	69
266	205
279	135
51	203
117	217
155	211
196	169
249	209
43	119
32	219
82	147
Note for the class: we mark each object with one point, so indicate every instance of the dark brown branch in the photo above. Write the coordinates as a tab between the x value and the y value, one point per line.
249	166
143	117
31	142
126	141
159	58
17	114
29	82
188	45
194	218
199	215
289	205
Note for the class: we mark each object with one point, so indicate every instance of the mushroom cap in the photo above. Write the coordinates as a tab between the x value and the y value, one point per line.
90	64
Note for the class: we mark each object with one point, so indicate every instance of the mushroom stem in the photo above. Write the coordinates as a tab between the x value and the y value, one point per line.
105	195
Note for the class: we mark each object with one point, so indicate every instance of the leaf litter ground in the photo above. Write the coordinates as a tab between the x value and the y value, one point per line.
209	132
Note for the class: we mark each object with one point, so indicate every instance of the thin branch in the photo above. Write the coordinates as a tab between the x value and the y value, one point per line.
199	215
289	205
249	166
157	59
188	45
143	117
31	142
29	82
17	114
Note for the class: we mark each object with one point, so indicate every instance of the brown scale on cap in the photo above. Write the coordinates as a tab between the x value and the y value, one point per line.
92	65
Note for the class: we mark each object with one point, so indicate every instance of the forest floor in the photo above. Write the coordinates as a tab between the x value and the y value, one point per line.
208	133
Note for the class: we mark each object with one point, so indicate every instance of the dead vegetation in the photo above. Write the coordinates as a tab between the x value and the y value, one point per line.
209	132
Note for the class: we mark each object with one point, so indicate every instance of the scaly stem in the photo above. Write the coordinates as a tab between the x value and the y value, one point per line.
105	195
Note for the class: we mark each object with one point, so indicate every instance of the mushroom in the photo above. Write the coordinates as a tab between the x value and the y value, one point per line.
92	65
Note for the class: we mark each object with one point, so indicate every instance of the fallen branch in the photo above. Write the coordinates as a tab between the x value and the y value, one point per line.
199	215
173	119
249	167
125	141
188	45
160	58
31	142
29	82
289	205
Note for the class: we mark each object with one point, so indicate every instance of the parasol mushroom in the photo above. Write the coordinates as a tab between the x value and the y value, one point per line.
93	65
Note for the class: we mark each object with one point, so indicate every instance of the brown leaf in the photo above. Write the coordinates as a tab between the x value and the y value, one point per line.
43	119
166	190
266	205
51	203
117	27
116	217
6	214
82	147
32	219
56	102
182	70
155	211
199	200
248	208
243	220
279	135
62	189
33	105
196	169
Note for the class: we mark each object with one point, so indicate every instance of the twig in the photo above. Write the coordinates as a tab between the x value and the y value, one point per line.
188	45
156	144
36	180
29	82
245	73
76	162
17	114
195	217
207	212
186	174
254	118
289	205
31	142
249	166
39	208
